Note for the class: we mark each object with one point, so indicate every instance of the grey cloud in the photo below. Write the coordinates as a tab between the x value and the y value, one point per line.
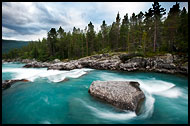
16	18
46	16
14	14
22	30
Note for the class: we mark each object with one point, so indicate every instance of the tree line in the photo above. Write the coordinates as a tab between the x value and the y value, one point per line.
144	33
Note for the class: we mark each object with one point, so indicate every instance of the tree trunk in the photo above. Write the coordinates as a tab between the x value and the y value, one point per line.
103	44
128	41
155	30
144	44
82	48
86	46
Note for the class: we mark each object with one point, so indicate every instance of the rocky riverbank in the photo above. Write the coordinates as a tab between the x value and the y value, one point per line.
167	63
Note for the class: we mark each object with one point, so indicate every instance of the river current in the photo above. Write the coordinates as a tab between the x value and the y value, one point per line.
47	99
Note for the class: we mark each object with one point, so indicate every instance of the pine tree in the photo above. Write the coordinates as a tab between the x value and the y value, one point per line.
61	33
133	28
51	38
140	17
104	31
149	29
117	26
90	38
124	33
113	36
170	27
157	15
182	37
141	33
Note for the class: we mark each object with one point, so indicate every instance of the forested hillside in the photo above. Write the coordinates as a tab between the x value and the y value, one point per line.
7	45
145	33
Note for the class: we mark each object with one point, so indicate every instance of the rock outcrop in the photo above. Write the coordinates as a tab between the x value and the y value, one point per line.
167	63
35	64
125	95
19	60
7	83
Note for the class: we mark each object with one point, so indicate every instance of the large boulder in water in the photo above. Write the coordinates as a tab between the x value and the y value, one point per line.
125	95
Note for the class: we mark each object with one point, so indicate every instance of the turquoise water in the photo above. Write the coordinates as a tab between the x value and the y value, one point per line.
47	100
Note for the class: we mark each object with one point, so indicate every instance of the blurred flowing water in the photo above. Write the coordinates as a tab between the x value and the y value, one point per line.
48	100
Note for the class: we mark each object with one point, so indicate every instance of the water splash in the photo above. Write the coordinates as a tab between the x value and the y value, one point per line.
150	87
45	122
110	115
32	74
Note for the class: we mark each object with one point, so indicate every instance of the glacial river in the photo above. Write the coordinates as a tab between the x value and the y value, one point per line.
46	99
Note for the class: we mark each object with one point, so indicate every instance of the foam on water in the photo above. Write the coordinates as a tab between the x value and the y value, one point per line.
46	100
6	63
150	87
32	74
45	122
115	116
109	114
171	93
149	106
155	86
162	88
172	97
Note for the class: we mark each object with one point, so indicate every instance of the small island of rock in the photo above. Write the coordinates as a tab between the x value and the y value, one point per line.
125	95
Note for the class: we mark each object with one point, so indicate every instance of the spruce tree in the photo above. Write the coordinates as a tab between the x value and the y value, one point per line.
158	12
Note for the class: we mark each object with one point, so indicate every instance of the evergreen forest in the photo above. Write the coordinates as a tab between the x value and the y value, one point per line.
145	33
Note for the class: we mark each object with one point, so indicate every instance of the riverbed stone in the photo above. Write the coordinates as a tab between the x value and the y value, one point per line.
7	83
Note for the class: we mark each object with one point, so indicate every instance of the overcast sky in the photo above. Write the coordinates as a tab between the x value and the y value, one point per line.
32	21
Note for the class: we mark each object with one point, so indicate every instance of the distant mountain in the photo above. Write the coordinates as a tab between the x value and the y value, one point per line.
7	45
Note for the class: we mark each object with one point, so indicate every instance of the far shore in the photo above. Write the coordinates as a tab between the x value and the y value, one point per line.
166	63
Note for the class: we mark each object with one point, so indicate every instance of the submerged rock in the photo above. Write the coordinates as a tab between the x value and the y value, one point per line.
7	83
125	95
66	79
